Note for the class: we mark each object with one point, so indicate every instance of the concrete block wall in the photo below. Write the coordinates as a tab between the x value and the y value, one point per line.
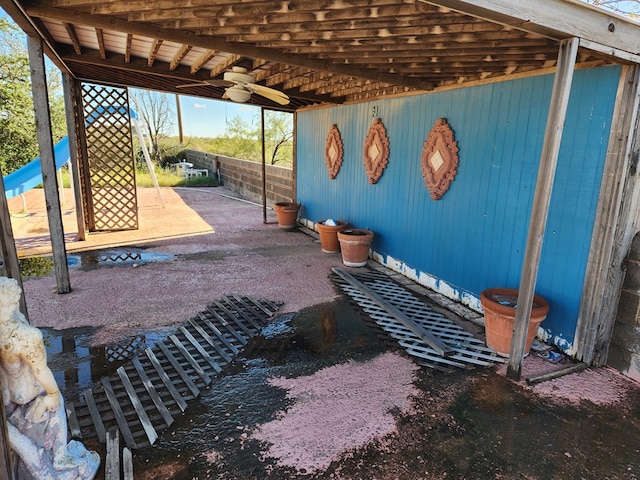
245	177
624	352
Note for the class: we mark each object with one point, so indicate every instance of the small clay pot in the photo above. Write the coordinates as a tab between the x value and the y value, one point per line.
287	213
329	236
354	245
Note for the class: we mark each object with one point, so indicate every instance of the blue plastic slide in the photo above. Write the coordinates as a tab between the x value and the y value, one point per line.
30	176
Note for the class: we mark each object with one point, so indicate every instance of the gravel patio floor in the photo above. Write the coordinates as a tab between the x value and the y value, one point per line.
291	409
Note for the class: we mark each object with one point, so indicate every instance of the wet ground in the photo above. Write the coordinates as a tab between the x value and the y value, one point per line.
319	395
466	425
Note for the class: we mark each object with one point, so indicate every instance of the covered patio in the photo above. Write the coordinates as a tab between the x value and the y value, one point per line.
354	61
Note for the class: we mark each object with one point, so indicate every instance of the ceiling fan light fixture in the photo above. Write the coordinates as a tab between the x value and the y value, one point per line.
238	94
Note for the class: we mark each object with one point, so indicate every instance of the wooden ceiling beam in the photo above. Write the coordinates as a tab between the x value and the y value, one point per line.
100	39
179	56
556	19
224	65
153	51
151	31
71	31
236	8
127	50
307	33
202	60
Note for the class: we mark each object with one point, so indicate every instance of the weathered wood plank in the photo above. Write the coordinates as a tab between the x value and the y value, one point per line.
541	200
95	415
72	421
246	316
123	425
184	375
112	463
149	429
192	361
127	464
219	334
47	163
235	319
201	350
153	393
166	380
210	341
227	325
615	225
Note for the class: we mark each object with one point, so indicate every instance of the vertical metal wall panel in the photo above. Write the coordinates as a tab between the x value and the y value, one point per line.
474	237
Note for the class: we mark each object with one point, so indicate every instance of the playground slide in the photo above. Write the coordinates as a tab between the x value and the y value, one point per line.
30	176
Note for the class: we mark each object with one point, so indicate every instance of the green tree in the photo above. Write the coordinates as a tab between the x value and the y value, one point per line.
242	140
18	144
278	137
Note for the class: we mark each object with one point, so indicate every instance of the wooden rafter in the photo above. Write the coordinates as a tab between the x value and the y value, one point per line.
101	46
153	51
179	56
71	31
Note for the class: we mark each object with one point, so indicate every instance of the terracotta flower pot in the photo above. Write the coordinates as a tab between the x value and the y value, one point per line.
329	236
355	244
287	213
499	305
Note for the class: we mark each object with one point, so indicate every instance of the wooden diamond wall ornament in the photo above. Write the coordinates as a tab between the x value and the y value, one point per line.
439	159
333	151
376	151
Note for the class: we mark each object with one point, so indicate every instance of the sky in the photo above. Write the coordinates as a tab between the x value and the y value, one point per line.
207	118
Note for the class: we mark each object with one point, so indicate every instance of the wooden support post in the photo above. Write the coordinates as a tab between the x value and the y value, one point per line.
70	102
47	162
264	169
541	199
9	266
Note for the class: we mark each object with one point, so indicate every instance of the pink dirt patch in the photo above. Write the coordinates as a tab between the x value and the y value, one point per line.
338	409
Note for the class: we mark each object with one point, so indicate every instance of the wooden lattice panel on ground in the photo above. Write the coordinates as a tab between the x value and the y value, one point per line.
463	350
145	394
110	156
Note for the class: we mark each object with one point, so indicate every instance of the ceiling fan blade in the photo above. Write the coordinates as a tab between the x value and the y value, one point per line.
208	83
261	88
270	93
187	85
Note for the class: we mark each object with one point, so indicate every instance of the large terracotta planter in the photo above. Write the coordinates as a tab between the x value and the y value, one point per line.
499	305
354	245
287	213
329	236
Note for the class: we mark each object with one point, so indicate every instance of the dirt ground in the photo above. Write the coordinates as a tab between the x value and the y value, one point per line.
291	407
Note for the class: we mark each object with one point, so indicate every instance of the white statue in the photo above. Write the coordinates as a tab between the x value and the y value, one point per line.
34	407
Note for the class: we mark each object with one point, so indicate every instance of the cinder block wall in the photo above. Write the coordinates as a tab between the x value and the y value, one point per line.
624	352
245	177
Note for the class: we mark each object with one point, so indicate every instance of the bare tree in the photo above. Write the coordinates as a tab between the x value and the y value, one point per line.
157	117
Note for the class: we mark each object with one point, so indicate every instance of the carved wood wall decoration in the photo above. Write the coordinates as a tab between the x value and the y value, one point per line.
333	151
439	159
376	151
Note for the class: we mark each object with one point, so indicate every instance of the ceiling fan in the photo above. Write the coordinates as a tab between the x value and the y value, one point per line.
240	85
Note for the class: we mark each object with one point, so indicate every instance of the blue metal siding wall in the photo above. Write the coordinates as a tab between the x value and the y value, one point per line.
474	237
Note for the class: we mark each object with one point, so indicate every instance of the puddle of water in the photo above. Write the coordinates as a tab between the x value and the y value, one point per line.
462	425
218	425
77	365
32	267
